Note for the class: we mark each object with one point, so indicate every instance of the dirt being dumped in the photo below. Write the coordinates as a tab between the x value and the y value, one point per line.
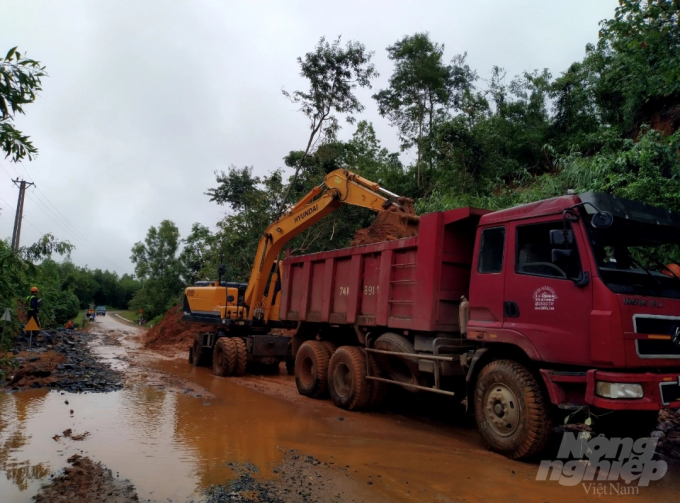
173	333
398	221
85	482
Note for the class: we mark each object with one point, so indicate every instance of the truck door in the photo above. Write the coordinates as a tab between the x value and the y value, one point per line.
486	287
542	300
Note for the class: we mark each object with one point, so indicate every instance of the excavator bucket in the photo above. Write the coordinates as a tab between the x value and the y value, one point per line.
398	220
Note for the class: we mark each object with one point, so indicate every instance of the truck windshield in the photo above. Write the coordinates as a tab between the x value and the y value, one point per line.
637	258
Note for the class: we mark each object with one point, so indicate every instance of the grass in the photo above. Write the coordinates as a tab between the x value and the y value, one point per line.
78	320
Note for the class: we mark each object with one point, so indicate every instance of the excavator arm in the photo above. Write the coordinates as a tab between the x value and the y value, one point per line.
339	187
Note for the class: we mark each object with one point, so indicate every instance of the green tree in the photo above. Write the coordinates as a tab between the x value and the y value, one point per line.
421	90
156	264
334	73
196	253
636	63
20	81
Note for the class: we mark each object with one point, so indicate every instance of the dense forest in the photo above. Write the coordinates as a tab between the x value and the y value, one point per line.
608	123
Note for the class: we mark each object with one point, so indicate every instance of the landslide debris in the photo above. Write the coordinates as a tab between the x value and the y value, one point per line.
172	333
398	221
86	482
62	360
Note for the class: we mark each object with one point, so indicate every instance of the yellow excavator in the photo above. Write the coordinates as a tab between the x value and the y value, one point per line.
244	314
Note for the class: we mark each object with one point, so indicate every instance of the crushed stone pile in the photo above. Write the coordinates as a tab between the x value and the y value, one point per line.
173	333
63	360
84	482
398	221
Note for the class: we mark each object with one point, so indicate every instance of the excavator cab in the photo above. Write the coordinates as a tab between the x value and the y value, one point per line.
214	301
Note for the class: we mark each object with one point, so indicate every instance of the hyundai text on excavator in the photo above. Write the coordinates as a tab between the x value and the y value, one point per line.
245	313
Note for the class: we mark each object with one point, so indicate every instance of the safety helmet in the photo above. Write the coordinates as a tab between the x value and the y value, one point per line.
34	289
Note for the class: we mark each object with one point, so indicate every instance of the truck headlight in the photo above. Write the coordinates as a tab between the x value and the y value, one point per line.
619	390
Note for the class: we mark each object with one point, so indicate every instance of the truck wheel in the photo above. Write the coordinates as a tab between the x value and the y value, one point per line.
378	388
201	353
311	369
241	356
511	411
347	381
224	357
626	423
402	370
330	347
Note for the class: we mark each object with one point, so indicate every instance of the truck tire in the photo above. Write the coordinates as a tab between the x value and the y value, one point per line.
378	388
224	357
511	410
311	369
330	347
347	381
241	356
201	354
402	370
626	423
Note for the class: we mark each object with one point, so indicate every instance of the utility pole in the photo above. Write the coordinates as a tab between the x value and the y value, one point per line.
16	234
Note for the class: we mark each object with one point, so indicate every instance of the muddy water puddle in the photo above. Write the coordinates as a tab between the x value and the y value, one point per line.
174	443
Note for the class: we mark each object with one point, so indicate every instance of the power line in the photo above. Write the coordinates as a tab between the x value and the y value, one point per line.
62	222
24	218
67	221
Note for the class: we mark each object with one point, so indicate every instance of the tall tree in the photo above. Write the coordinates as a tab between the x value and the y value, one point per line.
20	80
420	90
156	263
333	72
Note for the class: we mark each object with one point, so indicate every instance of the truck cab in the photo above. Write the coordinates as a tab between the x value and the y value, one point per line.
593	303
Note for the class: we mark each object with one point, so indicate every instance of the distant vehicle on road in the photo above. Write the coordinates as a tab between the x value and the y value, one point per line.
101	311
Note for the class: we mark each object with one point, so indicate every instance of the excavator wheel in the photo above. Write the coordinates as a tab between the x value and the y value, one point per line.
347	381
311	369
201	354
241	356
224	357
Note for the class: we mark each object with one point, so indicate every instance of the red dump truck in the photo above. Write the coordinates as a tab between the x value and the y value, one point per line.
574	305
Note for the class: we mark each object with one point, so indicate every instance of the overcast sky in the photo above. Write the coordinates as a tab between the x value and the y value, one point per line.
146	99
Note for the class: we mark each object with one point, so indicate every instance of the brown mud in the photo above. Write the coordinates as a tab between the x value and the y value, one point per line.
36	369
398	221
180	434
171	333
86	482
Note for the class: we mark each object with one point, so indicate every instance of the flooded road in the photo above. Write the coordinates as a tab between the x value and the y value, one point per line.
174	437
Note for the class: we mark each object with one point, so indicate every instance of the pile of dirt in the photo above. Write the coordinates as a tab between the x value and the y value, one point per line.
36	369
60	359
84	482
173	333
398	221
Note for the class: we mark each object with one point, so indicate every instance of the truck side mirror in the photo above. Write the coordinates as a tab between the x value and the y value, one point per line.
602	220
561	237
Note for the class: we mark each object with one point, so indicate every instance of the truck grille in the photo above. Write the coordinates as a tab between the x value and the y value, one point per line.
656	325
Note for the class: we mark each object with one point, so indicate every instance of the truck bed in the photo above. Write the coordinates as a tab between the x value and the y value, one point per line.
411	284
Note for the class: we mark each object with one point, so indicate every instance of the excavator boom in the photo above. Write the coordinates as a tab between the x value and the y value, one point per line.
339	187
